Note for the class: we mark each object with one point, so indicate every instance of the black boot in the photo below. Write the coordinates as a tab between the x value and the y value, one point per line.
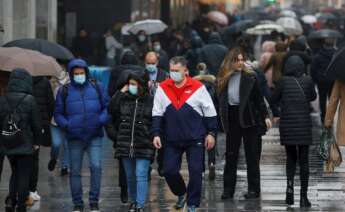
304	201
227	195
10	205
289	193
21	209
124	195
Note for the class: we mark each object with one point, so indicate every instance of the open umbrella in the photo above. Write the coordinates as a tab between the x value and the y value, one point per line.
34	62
218	17
150	26
335	70
309	19
291	25
288	13
45	47
265	29
325	33
125	29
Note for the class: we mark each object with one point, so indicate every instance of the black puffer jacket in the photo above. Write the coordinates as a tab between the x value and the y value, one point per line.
20	85
319	65
295	120
44	96
213	53
132	119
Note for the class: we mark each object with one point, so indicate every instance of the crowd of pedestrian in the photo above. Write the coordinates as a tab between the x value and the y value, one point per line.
169	95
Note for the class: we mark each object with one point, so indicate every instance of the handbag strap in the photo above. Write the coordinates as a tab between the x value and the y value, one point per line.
300	87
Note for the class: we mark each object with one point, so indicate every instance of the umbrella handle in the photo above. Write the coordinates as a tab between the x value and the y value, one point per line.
150	42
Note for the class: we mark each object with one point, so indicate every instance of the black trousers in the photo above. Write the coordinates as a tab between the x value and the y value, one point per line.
2	158
233	143
259	147
35	170
122	176
19	183
302	154
160	158
325	91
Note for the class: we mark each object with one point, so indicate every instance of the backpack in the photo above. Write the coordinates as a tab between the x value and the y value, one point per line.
11	134
93	83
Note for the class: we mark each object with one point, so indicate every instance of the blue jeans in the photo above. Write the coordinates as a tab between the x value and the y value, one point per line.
58	139
76	152
137	179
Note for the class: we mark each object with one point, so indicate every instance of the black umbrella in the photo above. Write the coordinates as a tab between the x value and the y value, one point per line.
335	70
325	33
45	47
238	26
235	28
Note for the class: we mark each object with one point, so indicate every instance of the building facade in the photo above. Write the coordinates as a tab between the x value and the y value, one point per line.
28	19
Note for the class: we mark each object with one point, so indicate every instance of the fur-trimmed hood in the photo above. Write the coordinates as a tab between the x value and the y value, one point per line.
207	78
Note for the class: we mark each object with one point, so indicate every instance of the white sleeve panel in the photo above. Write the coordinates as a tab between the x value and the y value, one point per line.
201	102
160	102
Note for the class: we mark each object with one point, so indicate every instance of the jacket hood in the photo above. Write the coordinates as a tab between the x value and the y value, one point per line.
142	78
80	64
20	81
297	45
215	38
327	52
196	42
129	58
207	78
294	66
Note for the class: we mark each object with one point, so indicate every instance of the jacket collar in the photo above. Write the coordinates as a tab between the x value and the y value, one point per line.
188	84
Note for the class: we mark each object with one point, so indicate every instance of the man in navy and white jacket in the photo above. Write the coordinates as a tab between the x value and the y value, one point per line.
184	113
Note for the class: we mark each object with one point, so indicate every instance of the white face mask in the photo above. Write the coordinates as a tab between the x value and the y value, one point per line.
142	38
176	76
157	48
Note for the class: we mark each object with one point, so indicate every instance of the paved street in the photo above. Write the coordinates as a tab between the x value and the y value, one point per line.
326	192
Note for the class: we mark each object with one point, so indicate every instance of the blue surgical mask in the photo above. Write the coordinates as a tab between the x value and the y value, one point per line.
133	89
142	38
151	68
79	79
176	76
157	47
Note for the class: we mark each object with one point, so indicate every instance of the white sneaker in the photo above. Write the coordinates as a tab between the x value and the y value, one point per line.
35	196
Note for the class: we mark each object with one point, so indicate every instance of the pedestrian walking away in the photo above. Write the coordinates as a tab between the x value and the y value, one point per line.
294	92
18	106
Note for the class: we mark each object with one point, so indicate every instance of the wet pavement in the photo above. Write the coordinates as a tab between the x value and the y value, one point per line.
327	192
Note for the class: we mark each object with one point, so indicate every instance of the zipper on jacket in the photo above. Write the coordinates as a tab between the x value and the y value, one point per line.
84	107
131	148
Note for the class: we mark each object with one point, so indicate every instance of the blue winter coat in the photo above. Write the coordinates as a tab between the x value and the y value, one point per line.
86	112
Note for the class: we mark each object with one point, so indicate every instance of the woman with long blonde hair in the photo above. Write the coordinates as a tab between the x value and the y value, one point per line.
242	111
